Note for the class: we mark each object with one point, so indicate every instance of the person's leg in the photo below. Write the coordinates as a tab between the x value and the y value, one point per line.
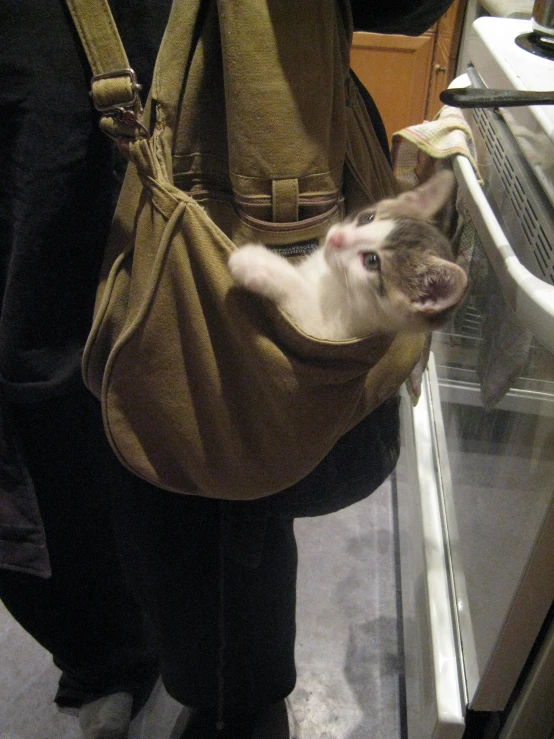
223	610
84	614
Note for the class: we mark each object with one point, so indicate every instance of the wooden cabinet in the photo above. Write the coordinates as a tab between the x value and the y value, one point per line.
405	74
396	72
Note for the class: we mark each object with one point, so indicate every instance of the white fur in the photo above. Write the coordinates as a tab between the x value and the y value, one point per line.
329	294
335	293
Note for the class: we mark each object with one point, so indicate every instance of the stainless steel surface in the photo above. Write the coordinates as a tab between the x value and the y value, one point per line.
542	18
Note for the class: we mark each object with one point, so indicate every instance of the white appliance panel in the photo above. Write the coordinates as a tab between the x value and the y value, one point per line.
476	474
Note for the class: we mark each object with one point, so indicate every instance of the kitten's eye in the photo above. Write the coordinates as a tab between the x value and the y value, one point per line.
367	218
371	260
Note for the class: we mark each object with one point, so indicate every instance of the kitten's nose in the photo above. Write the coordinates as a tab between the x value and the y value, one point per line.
335	237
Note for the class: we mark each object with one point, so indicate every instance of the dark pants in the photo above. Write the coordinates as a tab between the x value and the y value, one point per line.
218	580
84	614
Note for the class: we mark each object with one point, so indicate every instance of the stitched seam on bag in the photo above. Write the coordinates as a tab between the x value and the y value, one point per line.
280	175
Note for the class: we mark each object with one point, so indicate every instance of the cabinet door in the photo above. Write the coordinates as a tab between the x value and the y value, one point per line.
395	70
449	31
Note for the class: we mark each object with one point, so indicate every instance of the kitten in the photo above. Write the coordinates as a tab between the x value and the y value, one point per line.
388	269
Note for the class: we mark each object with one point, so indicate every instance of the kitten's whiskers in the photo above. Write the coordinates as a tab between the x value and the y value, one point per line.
345	273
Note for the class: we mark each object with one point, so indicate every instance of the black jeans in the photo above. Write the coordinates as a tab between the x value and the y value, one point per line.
218	581
84	614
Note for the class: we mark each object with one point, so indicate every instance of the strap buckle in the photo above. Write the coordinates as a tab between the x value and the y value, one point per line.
131	102
128	118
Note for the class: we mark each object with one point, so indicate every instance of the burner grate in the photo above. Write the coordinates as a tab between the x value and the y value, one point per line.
535	43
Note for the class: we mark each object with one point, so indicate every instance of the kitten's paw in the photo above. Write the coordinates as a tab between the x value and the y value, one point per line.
251	267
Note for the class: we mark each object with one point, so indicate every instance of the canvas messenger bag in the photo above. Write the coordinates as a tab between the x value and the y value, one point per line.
253	131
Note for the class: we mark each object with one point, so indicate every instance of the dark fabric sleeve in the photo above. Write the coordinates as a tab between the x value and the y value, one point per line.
409	17
58	187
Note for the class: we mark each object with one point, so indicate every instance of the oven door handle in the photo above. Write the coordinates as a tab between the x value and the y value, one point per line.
471	97
531	299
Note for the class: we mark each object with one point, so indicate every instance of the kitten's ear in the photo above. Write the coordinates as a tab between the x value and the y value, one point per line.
443	285
430	197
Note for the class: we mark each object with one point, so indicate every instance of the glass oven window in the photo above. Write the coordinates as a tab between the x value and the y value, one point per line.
498	414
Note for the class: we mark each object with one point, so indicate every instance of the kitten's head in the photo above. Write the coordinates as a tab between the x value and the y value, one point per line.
400	260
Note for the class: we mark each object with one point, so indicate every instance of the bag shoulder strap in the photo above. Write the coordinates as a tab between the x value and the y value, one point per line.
114	87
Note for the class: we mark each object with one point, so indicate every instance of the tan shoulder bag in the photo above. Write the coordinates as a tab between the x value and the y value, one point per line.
253	132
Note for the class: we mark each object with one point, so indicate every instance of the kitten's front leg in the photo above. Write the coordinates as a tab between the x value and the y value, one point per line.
258	269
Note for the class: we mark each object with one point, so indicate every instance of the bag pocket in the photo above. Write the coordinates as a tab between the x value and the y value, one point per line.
241	227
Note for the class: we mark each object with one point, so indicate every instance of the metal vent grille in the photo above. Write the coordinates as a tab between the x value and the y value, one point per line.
539	243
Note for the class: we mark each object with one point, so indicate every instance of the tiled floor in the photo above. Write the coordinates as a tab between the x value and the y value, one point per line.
350	682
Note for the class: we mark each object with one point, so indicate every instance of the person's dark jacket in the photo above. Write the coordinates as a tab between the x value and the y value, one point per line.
58	189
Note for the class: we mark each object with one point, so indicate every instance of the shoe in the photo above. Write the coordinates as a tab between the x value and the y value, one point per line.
270	723
107	718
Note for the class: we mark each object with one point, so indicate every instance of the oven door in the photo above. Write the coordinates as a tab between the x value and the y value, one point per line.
475	484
